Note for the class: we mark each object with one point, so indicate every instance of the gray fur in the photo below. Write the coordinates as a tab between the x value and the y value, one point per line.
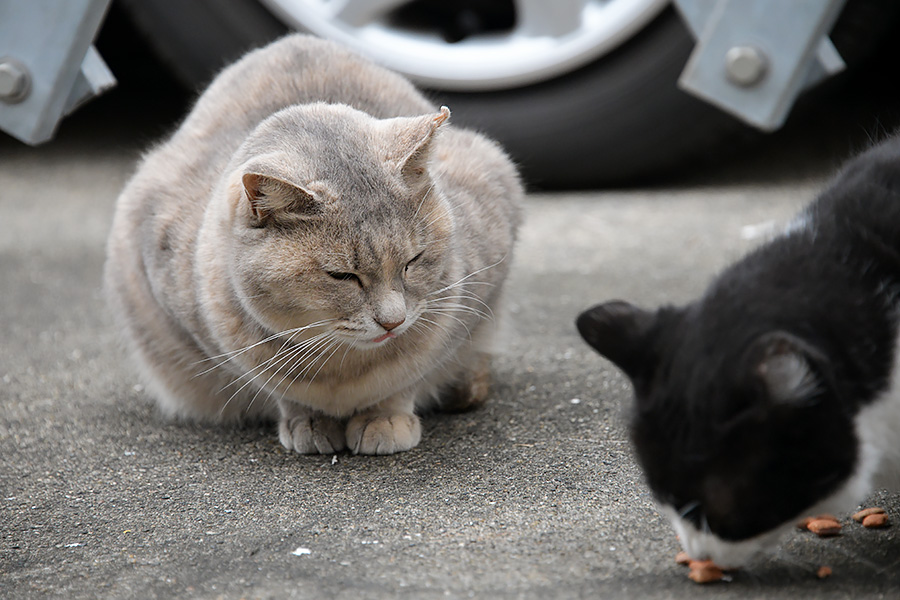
300	163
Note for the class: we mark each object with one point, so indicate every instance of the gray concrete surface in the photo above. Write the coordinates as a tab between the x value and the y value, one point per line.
535	496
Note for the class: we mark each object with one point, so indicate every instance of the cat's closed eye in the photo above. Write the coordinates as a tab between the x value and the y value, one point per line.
344	276
414	259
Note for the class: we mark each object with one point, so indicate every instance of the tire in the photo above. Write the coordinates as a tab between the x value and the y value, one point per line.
619	120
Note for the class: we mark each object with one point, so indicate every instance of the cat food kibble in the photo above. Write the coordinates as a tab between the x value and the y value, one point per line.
875	520
824	525
861	515
701	571
704	571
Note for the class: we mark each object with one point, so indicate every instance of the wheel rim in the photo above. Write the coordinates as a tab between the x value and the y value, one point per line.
547	38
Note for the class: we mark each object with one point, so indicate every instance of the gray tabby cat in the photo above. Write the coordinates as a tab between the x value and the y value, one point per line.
314	245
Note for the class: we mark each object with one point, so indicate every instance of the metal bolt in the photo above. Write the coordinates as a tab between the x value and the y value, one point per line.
745	65
14	80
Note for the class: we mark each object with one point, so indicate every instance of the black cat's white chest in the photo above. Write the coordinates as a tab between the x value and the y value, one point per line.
878	431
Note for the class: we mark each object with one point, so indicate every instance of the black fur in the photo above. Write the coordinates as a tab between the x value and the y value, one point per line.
714	438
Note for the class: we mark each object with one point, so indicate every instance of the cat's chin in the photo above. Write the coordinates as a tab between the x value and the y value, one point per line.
705	545
701	545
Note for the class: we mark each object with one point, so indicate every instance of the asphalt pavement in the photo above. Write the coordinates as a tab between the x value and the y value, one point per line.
534	496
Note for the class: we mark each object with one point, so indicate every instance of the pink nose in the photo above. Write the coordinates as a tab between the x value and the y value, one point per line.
390	325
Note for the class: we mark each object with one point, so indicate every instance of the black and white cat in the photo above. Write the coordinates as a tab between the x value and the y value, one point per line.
777	393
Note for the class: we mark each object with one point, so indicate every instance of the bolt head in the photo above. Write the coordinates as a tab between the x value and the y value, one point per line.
14	80
745	65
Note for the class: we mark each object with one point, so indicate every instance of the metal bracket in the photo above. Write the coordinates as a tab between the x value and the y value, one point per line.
48	67
752	59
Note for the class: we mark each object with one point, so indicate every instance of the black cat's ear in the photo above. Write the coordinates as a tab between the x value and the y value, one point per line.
619	331
788	367
271	199
413	142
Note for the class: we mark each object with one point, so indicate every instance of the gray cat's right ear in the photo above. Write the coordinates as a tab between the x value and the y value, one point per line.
272	199
618	331
415	136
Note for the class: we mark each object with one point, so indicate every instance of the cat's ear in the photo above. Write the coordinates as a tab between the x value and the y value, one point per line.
271	199
789	368
413	142
619	331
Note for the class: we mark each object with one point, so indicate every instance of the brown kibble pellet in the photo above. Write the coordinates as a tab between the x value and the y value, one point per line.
858	517
824	527
823	572
682	558
704	571
804	523
875	520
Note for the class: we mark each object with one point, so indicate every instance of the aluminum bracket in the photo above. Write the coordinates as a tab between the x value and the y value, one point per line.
753	59
47	64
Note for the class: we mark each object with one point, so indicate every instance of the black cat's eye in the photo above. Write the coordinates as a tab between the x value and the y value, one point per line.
344	276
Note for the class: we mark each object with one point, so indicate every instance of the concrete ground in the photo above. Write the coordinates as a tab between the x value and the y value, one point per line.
534	496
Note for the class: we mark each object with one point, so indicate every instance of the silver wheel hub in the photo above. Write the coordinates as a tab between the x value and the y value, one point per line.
547	38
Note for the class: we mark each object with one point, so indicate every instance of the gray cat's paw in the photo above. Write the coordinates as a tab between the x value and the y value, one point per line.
312	434
383	434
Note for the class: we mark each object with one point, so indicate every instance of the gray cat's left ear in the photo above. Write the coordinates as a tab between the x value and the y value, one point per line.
415	135
272	199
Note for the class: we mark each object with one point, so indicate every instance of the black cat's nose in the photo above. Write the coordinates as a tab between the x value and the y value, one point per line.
391	325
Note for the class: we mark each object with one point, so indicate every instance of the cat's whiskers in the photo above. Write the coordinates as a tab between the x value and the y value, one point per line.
279	357
467	295
269	339
331	342
259	369
290	333
446	305
337	346
309	356
341	366
449	313
427	325
276	358
463	279
290	362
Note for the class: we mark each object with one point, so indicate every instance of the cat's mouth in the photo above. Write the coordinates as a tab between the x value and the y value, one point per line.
381	338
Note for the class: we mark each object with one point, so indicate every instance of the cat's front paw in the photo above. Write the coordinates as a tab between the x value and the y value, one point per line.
312	434
383	433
